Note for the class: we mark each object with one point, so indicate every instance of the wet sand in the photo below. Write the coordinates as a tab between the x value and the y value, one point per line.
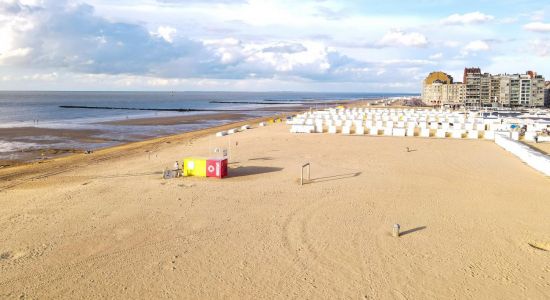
40	156
44	143
45	138
32	134
177	120
474	221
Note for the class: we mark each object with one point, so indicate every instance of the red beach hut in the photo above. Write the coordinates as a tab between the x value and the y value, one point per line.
216	167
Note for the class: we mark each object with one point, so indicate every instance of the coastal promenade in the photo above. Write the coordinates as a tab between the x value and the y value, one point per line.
474	221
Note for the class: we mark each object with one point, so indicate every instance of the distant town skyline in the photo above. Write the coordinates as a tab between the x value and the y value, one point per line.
239	45
482	89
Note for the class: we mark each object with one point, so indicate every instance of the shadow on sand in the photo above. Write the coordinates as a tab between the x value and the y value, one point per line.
402	233
332	178
126	175
251	170
262	158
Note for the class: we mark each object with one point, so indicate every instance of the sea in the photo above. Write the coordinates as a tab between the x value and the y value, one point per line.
48	110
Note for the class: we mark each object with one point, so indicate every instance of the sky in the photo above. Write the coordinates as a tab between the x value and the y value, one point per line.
265	45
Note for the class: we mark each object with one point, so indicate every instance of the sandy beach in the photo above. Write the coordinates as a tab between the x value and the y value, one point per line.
474	221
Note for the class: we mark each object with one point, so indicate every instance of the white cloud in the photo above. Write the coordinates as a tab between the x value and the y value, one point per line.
406	62
537	15
266	59
167	33
222	44
509	20
436	56
228	51
541	47
537	27
451	44
286	48
475	46
12	26
31	77
14	54
76	40
396	38
467	19
43	77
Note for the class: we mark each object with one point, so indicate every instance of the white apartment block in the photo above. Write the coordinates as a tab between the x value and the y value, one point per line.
444	94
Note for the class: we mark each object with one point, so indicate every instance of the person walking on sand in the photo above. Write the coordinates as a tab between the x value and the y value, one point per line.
177	169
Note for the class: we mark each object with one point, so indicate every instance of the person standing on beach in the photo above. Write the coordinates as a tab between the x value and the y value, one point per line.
177	169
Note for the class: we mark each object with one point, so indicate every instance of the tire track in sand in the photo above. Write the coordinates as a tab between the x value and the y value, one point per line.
324	260
41	279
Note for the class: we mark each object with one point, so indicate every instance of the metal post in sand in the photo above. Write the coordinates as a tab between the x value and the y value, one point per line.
302	173
395	231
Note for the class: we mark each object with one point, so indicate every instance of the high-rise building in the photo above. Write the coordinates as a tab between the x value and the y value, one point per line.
486	90
472	80
505	90
537	90
514	90
438	89
547	94
470	71
494	95
525	90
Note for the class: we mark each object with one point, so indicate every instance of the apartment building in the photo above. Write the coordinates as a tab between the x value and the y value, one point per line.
438	89
505	90
537	91
547	94
514	91
522	90
472	81
494	90
486	90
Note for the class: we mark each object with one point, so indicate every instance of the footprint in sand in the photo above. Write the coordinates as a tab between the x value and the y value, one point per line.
10	255
5	255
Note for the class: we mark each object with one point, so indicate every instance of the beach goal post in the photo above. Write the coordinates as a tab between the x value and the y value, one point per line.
308	166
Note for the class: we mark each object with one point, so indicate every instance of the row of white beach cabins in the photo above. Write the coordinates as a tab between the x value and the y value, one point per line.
235	130
410	122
